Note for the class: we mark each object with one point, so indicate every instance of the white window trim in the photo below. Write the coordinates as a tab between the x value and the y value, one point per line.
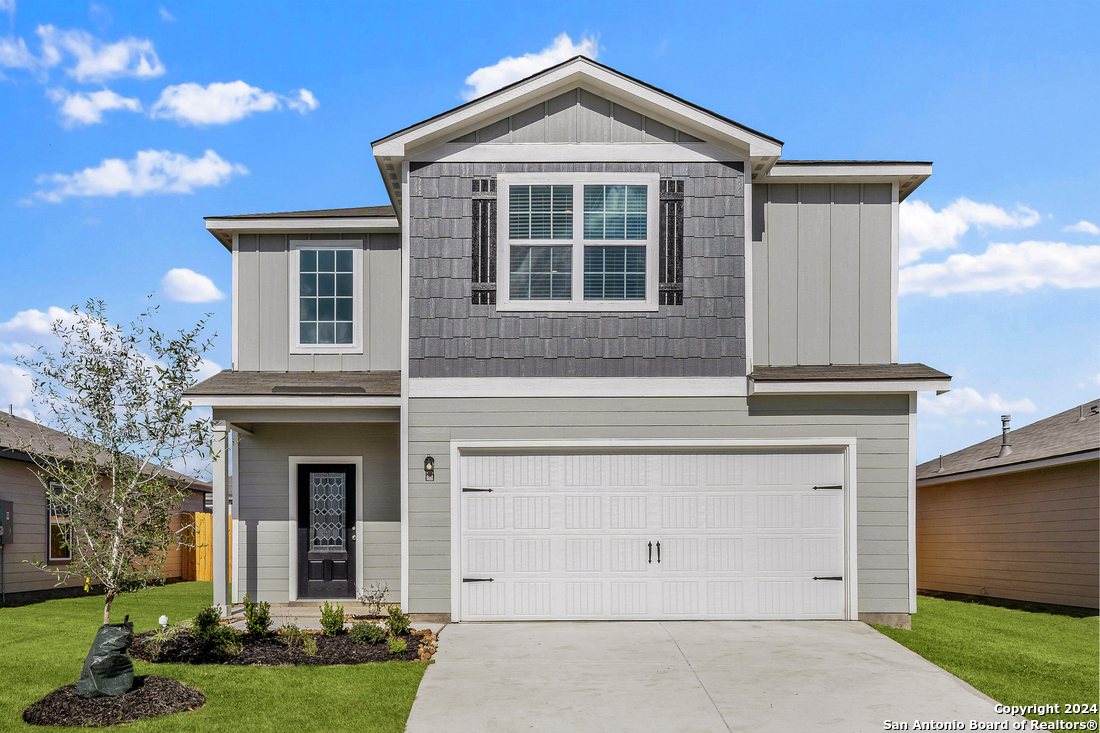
54	487
578	303
356	247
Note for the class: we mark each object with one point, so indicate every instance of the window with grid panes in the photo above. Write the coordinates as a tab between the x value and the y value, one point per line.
326	300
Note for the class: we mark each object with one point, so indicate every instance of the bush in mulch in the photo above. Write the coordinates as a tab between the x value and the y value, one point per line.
270	650
150	697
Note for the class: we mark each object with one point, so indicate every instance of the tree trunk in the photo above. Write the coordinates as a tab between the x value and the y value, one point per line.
107	608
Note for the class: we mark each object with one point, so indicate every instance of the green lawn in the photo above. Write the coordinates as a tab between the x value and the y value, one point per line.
44	645
1015	657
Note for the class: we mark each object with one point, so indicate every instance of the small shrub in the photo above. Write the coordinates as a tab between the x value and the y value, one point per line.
257	617
206	623
309	645
374	598
154	645
398	646
228	642
291	635
367	633
398	622
332	619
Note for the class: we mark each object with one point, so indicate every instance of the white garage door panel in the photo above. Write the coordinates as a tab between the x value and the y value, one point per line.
652	536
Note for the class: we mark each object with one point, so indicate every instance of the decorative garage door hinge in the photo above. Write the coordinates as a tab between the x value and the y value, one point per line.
477	580
830	488
828	577
477	489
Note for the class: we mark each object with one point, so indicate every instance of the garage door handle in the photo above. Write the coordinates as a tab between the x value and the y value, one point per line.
477	580
477	489
650	553
828	577
658	552
829	488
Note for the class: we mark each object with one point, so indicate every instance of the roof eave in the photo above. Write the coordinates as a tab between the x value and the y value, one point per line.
1027	465
909	175
224	229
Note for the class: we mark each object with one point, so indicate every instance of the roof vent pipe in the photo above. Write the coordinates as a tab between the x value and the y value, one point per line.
1006	447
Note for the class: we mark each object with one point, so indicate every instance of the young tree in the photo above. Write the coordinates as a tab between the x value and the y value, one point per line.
117	394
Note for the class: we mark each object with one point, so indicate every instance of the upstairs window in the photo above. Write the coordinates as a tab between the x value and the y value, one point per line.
580	242
60	530
326	292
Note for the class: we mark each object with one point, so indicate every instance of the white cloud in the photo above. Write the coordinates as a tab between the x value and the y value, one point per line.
221	103
81	108
16	390
151	171
165	15
922	228
187	286
1083	227
98	61
14	54
7	6
1010	267
968	399
511	69
33	323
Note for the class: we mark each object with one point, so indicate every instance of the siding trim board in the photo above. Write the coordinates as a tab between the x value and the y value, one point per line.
578	387
458	448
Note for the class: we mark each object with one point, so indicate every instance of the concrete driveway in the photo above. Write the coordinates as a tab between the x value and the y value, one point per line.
695	677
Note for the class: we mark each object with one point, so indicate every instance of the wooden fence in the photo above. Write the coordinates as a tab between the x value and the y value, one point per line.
198	561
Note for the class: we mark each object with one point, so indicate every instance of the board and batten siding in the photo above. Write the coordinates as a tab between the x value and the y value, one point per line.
451	337
1027	536
264	294
20	485
822	263
880	424
262	501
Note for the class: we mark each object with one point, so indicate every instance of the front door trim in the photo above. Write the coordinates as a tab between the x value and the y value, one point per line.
466	447
357	461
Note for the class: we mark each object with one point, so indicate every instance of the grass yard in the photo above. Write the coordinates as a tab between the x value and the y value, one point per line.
45	645
1015	657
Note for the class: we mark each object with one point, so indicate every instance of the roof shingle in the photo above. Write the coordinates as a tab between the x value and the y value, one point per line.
846	373
229	382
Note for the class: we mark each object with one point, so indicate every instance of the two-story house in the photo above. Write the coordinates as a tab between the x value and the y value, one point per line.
605	355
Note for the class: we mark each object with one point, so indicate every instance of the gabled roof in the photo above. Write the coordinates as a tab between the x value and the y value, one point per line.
1069	434
18	437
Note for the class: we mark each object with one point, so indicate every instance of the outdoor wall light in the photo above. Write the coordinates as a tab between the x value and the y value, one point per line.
429	469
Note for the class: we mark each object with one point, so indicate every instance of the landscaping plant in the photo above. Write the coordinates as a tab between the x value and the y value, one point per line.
291	635
398	646
257	617
154	645
332	619
374	598
365	632
208	631
398	622
309	645
117	394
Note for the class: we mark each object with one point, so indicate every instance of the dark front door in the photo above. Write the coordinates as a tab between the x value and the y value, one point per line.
326	530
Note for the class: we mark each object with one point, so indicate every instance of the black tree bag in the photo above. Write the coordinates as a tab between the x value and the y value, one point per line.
108	670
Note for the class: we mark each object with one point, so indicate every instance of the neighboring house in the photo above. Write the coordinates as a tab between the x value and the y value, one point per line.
1016	517
39	525
605	356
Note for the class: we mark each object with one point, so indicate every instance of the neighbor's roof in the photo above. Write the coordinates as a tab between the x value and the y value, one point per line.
19	437
370	212
236	383
846	373
1075	431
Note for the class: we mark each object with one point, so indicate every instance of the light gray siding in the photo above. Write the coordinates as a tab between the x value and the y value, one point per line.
450	337
822	259
878	422
264	294
578	116
262	501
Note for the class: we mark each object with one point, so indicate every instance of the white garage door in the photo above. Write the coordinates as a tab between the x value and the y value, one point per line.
652	536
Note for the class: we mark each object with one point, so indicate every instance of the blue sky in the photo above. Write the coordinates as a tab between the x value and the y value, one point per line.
123	124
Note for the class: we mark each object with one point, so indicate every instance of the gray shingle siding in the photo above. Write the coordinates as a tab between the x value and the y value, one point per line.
703	337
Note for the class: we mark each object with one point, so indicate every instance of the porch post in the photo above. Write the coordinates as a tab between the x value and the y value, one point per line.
220	540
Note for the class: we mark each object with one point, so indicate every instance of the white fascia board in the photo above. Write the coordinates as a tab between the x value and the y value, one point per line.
1011	468
577	73
576	153
348	223
578	387
291	401
853	387
859	173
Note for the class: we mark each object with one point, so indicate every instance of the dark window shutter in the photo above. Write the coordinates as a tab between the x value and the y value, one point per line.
671	243
484	243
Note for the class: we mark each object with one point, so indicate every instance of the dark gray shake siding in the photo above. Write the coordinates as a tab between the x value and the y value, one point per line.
450	337
880	424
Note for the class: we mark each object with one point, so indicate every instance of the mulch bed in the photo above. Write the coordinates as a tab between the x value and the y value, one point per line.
150	697
271	651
